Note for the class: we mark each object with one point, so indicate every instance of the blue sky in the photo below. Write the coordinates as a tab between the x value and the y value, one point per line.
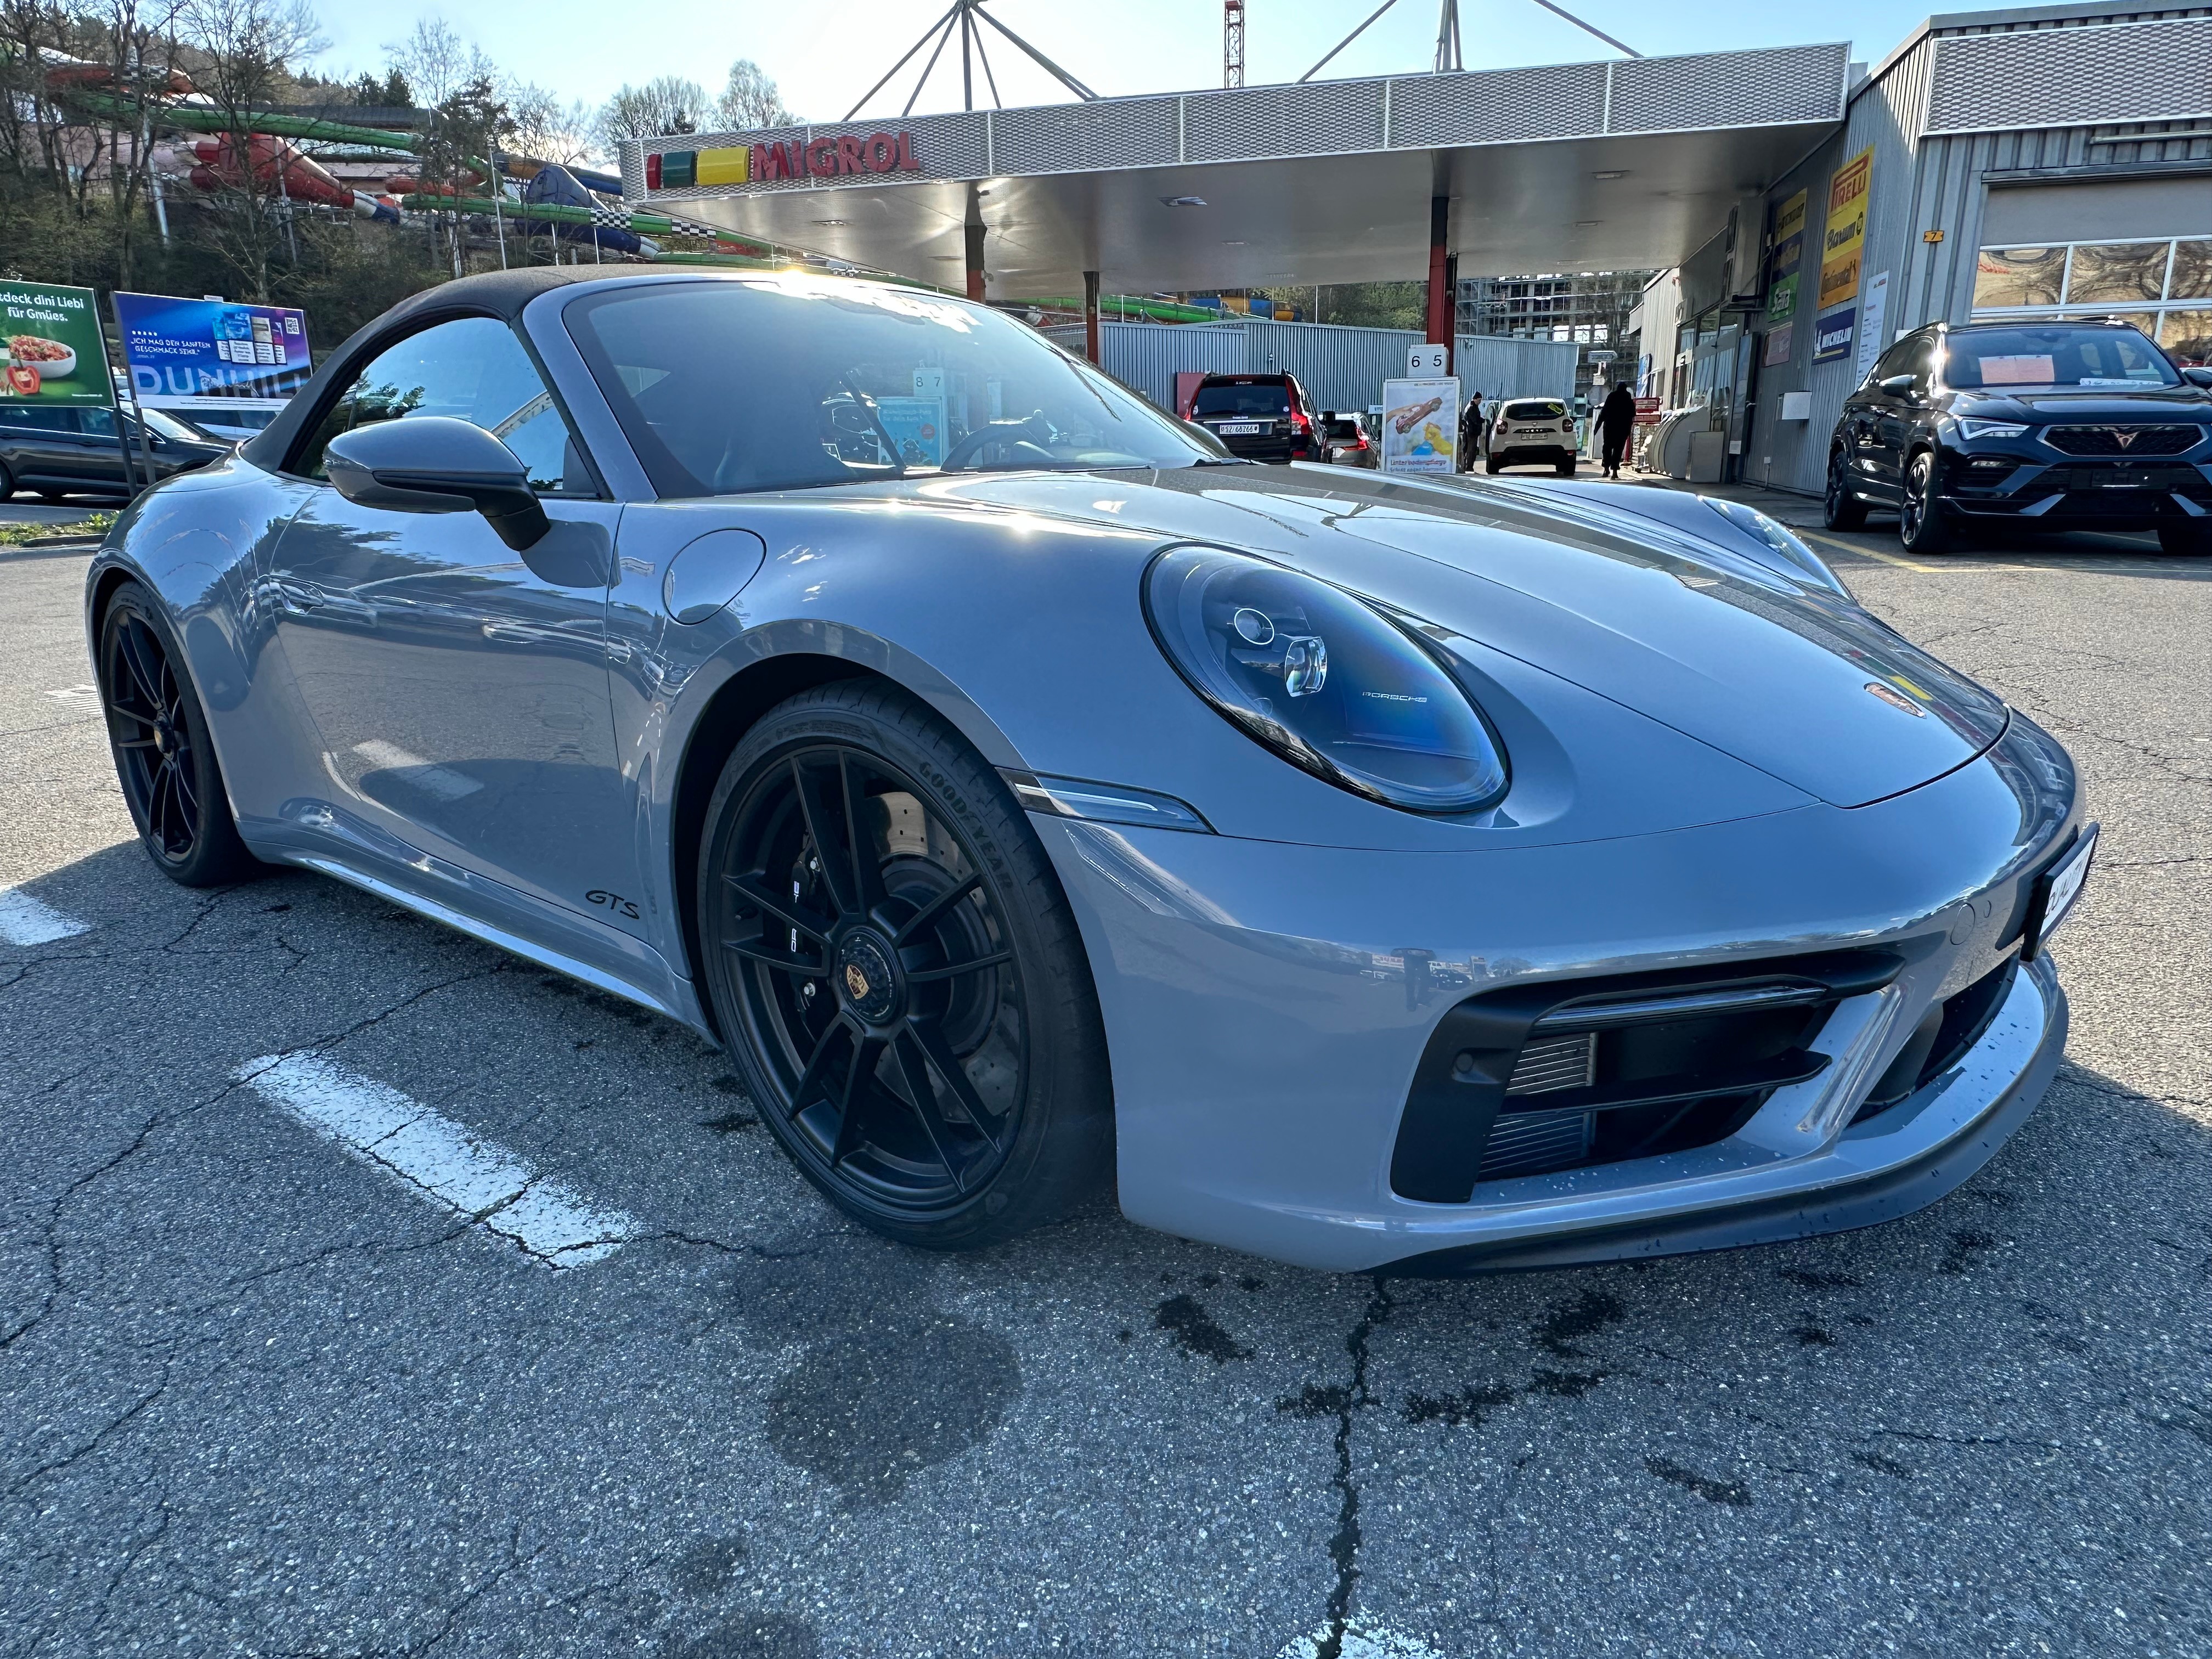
824	53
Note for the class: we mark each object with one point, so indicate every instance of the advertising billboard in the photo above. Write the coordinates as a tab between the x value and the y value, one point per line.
55	352
1784	274
182	351
1843	240
1420	426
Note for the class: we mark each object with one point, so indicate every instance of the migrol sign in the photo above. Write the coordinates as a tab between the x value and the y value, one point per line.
844	156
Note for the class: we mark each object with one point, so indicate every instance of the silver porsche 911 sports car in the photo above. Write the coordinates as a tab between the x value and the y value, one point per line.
1363	872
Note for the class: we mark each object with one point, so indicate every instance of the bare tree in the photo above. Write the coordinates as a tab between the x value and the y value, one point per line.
749	100
539	125
667	104
435	62
242	54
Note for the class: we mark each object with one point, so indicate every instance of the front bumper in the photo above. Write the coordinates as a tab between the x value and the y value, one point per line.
2084	492
1266	1004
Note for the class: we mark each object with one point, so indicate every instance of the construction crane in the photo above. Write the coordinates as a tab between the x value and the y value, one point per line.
1232	43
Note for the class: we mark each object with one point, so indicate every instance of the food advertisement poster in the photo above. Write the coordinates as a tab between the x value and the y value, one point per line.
1843	240
1784	272
184	348
1420	426
55	354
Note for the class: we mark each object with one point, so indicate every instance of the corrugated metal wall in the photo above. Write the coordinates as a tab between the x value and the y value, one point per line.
1340	368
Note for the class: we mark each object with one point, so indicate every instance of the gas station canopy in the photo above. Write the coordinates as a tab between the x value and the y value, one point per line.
1624	165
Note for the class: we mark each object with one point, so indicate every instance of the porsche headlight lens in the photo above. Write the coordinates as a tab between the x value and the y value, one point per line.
1780	537
1970	430
1328	683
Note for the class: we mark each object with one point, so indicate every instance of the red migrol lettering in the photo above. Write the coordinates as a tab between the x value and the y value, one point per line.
849	156
821	158
907	163
882	153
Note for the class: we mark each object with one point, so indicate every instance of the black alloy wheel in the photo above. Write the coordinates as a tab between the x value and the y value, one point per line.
1840	509
163	756
894	968
1921	525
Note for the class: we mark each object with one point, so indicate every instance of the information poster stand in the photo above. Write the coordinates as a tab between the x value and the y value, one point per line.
1420	426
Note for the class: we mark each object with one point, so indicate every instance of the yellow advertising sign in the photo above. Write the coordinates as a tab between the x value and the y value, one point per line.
1843	236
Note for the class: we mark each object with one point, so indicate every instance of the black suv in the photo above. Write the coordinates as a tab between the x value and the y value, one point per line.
59	451
2028	425
1260	417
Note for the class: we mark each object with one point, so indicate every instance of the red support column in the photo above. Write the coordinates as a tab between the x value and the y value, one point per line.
1440	307
1090	315
974	261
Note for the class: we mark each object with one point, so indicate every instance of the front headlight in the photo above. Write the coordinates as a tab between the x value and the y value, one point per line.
1780	537
1326	681
1970	428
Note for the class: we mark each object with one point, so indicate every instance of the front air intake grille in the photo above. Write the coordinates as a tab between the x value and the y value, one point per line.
1558	1063
1532	1079
2129	440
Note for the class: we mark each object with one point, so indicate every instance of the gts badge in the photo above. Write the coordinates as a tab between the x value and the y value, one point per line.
613	903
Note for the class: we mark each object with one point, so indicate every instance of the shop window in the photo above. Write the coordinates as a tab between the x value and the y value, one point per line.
2187	335
2116	273
2019	277
2193	271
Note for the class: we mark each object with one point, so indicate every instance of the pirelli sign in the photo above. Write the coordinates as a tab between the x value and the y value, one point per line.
794	158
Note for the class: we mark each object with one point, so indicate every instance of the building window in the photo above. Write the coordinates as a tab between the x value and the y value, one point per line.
2159	287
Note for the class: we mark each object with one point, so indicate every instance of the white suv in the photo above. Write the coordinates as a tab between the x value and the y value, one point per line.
1529	432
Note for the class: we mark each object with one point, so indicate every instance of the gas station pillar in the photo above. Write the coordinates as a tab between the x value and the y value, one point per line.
1441	298
1090	315
974	261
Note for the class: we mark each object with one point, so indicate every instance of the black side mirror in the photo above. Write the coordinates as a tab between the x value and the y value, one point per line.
1901	385
435	464
2198	377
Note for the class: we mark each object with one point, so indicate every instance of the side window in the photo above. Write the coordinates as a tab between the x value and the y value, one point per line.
96	423
41	420
1898	360
473	370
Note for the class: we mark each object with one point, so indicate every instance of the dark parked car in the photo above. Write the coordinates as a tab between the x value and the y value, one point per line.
1260	417
2026	425
71	452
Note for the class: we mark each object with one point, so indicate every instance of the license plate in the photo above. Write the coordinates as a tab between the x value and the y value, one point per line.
2125	481
2055	893
1241	428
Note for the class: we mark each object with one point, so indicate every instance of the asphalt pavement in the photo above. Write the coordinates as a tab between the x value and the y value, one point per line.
264	1393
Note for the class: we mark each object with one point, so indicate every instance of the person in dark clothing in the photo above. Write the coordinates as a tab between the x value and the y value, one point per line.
1616	419
1470	431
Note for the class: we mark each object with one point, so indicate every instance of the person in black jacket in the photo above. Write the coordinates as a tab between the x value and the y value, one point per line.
1616	419
1470	431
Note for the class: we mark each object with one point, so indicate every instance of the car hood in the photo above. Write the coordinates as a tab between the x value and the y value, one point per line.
1804	685
2169	403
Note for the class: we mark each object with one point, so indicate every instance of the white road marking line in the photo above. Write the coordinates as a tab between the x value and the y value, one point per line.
1363	1641
28	921
439	1159
78	696
428	776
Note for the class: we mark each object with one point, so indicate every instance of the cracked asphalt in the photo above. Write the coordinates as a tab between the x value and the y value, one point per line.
256	1399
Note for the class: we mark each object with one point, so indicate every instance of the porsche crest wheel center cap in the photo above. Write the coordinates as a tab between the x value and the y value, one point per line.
868	978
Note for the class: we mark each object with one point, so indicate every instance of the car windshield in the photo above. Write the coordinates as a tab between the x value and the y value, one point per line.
1545	411
2058	355
728	386
1264	398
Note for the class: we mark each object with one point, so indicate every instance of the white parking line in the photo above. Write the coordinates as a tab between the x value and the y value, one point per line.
28	921
1361	1640
78	696
441	1160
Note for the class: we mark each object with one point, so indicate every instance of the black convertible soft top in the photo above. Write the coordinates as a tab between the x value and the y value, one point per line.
497	293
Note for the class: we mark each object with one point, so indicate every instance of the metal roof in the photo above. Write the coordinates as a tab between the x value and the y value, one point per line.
1322	181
